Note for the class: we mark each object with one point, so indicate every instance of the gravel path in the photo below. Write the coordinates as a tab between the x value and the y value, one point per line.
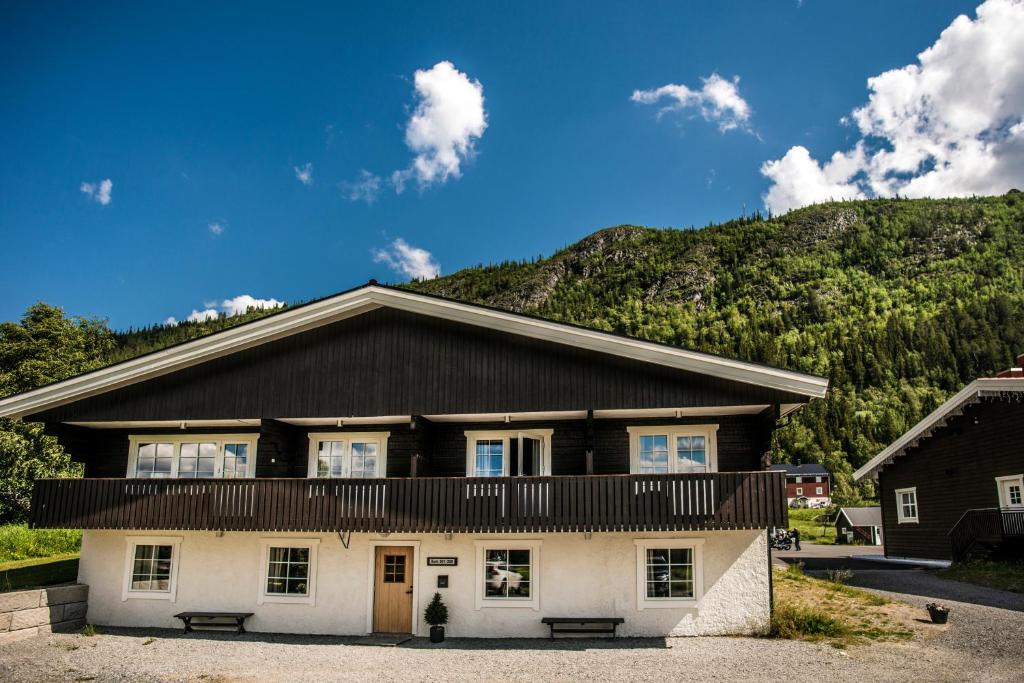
983	642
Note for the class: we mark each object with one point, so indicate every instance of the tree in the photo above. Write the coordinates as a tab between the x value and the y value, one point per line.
44	347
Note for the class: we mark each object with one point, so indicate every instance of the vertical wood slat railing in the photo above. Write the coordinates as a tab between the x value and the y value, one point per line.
726	500
988	527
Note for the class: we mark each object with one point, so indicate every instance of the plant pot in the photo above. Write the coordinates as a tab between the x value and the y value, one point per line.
437	634
939	616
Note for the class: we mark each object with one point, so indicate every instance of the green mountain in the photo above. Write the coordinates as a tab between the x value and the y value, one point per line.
899	302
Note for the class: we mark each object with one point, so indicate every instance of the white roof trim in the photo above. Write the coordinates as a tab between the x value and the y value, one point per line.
368	298
923	429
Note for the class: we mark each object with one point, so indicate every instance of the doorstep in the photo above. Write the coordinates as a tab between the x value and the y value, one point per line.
383	639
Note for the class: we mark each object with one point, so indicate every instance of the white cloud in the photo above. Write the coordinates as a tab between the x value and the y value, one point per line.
798	180
216	228
718	101
366	188
99	192
408	260
234	306
951	124
304	173
442	130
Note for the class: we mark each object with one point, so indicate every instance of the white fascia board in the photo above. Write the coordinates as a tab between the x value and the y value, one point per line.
368	298
973	391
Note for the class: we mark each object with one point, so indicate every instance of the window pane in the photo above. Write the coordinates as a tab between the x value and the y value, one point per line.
278	554
670	573
151	569
507	573
490	455
654	454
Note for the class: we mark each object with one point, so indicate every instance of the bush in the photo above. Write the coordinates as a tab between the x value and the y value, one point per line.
436	613
18	542
841	576
792	621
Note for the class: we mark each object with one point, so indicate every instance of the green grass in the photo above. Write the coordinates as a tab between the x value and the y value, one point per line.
809	522
806	623
18	542
1007	576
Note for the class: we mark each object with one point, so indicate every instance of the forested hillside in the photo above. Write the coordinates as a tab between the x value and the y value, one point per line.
898	302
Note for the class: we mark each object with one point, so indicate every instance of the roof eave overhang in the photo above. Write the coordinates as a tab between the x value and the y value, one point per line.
972	393
339	307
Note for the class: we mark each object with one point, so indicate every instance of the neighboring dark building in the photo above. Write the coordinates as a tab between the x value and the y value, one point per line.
952	486
859	525
808	485
328	467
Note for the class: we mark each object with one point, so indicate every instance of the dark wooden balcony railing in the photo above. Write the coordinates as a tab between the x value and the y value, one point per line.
983	530
728	500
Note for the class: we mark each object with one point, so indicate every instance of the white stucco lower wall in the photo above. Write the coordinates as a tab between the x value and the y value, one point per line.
577	576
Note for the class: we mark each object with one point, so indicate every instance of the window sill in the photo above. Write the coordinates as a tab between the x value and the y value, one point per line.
907	521
669	603
286	600
501	604
148	595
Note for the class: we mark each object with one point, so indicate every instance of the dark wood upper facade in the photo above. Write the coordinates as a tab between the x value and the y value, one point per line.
426	380
953	471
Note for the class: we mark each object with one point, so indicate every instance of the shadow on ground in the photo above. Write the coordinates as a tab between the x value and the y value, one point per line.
482	644
925	584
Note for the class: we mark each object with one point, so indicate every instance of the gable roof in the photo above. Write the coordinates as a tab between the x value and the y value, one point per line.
970	394
797	470
866	516
373	296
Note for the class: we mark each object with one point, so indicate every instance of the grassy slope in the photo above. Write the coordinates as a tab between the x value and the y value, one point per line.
18	542
809	522
1007	576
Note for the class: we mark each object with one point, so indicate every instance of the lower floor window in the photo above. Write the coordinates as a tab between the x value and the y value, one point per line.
670	572
507	573
151	568
288	571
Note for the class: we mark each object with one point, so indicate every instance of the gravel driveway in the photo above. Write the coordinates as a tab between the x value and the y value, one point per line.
983	642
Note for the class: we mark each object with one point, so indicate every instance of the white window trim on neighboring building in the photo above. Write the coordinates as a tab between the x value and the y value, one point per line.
799	491
533	602
902	518
708	431
819	491
266	544
506	436
1017	479
176	440
642	546
129	564
348	438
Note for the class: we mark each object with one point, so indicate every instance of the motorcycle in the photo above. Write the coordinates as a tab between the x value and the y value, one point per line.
780	541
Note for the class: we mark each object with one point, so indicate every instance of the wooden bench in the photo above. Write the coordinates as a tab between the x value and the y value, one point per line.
236	619
580	624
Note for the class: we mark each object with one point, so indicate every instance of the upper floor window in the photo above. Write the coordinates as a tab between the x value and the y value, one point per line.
1011	491
508	453
191	456
906	505
673	449
348	455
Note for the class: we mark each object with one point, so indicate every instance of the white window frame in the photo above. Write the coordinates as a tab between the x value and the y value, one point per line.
129	563
379	438
708	431
642	546
798	480
533	602
266	544
176	440
1017	479
506	436
902	518
819	491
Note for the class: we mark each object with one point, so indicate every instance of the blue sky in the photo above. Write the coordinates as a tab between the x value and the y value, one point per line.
203	118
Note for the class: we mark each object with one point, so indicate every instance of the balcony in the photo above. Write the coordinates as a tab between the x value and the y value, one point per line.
674	502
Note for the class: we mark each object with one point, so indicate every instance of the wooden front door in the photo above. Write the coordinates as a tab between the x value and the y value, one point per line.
392	590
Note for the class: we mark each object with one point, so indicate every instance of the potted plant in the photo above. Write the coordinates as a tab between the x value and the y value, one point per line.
938	612
436	615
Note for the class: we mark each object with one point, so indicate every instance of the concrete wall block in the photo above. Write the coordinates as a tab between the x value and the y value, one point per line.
75	610
17	600
5	621
67	626
59	595
12	636
29	618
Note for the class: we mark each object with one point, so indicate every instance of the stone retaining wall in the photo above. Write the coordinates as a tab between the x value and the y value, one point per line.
24	614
